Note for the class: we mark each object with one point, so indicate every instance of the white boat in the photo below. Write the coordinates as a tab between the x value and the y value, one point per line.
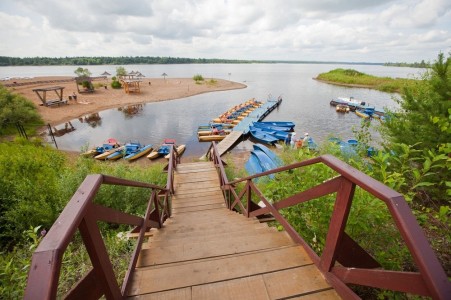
351	101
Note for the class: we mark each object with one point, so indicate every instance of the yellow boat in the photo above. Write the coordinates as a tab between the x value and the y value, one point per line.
104	155
180	149
211	138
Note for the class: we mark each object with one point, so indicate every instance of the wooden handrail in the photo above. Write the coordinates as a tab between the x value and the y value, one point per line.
355	268
82	214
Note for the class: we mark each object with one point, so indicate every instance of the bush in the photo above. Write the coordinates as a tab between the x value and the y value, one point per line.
198	77
116	84
14	109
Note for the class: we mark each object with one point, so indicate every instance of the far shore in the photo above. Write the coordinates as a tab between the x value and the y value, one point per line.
151	90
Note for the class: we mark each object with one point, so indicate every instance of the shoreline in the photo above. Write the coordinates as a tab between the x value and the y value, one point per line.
346	84
151	90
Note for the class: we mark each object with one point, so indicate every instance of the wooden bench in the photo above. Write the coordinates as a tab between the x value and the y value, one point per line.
55	102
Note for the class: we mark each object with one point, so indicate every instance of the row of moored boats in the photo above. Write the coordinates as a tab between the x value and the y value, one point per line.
112	150
360	108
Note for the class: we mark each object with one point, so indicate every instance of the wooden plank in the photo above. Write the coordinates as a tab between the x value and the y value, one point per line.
182	210
212	193
322	295
161	241
230	140
245	288
231	229
194	191
196	203
182	294
294	282
147	280
191	251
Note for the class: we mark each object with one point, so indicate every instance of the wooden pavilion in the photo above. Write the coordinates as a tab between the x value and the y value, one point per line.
42	94
130	84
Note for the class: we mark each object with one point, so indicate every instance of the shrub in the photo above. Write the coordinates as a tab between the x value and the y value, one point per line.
116	84
198	78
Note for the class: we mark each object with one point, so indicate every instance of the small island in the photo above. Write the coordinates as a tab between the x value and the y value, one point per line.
353	78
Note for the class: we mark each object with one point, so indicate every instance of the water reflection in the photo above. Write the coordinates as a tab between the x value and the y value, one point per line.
68	127
131	110
92	120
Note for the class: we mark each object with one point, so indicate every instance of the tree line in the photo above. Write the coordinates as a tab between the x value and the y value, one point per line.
108	60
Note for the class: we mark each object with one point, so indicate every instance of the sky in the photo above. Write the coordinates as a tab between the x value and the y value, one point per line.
302	30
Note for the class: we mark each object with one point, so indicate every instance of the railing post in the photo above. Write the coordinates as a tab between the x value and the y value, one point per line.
99	257
249	198
337	224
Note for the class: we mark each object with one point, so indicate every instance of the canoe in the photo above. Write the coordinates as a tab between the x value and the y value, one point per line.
278	124
263	137
137	153
265	162
105	154
277	161
180	149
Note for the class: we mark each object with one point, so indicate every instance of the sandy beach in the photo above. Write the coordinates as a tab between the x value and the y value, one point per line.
151	90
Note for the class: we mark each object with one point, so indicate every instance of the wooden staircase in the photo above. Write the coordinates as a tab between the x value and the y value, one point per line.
205	251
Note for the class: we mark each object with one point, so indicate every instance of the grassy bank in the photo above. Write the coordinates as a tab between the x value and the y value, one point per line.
355	78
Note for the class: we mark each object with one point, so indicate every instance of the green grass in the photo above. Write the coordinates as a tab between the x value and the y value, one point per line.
356	78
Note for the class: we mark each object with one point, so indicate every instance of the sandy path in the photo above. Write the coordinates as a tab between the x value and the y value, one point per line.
152	90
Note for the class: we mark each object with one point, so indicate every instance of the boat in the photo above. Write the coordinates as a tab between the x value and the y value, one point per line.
278	124
179	149
342	108
163	150
351	101
252	165
281	135
105	154
263	137
132	152
277	161
276	128
109	145
362	114
211	138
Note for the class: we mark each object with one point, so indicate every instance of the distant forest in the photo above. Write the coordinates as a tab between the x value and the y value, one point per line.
421	64
151	60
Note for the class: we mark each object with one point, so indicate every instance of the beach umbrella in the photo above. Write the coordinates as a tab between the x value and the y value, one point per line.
105	74
132	73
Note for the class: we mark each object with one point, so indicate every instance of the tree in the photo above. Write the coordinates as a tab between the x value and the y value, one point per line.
121	71
80	72
14	109
420	104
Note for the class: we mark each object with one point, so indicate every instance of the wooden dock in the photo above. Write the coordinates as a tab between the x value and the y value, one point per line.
205	251
229	141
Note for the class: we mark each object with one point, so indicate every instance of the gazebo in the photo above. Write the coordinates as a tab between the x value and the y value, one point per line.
42	94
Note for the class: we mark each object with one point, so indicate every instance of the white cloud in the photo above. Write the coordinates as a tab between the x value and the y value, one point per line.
355	30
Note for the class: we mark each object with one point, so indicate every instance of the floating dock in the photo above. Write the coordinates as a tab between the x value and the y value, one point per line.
241	128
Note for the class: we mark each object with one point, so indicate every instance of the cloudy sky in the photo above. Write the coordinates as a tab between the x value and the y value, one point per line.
313	30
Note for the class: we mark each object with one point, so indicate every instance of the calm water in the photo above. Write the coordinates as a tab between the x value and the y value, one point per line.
305	102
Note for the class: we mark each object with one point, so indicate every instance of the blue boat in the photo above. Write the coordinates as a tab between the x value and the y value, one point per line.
278	124
281	135
265	162
135	151
163	150
263	137
277	161
276	128
253	166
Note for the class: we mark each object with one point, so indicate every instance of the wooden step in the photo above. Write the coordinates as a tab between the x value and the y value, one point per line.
171	235
161	241
181	210
213	193
147	280
215	248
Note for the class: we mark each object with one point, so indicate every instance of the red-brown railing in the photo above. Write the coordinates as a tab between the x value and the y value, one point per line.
82	214
355	266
